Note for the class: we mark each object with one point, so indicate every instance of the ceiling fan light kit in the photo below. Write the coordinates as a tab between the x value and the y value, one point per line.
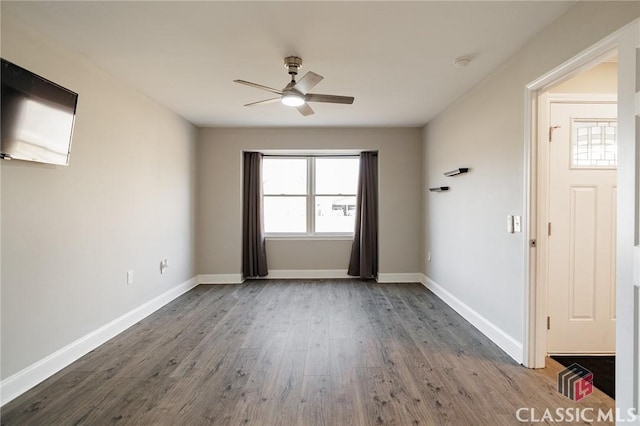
292	99
296	94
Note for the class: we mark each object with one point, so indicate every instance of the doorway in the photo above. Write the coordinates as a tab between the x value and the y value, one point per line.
626	41
581	232
570	295
576	171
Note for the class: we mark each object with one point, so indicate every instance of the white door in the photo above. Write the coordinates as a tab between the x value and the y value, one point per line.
582	230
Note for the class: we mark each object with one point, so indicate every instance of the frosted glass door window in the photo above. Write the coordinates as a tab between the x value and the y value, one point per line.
594	144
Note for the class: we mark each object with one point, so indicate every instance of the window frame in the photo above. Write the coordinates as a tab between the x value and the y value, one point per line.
310	202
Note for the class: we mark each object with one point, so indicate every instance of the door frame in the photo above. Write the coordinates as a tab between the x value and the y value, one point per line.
626	42
535	332
543	183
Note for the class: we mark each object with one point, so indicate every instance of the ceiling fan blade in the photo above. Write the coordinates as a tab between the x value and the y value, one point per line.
259	86
333	99
307	82
305	109
266	101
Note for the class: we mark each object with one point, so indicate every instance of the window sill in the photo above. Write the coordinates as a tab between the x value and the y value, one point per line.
309	238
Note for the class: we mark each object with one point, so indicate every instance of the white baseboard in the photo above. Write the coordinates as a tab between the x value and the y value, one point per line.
280	274
399	278
507	343
220	279
25	379
307	273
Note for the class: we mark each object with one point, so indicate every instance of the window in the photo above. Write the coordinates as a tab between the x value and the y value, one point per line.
311	196
594	144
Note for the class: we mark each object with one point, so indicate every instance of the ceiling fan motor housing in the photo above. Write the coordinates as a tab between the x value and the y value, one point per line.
292	64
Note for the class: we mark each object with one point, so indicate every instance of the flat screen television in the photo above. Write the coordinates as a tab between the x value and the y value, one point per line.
37	117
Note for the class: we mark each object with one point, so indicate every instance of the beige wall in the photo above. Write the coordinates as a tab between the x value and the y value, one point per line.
219	197
600	79
70	234
473	256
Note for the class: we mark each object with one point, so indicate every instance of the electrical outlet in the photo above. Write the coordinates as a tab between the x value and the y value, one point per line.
429	256
129	277
164	264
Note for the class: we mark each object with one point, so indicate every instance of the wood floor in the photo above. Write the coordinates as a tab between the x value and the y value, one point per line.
334	352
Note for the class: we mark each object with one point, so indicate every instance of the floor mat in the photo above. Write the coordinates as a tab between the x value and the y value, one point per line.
602	367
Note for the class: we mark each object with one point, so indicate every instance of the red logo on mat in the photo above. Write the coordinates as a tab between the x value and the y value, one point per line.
575	382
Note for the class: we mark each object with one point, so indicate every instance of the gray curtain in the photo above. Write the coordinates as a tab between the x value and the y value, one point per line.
254	255
364	251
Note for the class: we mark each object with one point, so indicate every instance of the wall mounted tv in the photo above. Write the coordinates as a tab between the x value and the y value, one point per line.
37	117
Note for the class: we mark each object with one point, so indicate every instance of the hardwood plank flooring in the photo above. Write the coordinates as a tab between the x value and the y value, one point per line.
294	352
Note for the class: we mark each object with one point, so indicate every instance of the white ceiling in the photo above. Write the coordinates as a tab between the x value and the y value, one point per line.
394	57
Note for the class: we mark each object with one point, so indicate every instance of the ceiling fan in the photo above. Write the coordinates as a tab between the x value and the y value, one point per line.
296	94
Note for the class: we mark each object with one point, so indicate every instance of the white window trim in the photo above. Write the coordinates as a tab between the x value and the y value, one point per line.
310	207
305	237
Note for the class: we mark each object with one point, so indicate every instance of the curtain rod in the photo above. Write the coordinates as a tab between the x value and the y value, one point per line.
312	155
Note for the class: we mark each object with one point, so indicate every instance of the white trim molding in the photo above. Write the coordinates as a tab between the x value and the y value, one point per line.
25	379
220	279
404	277
308	274
498	336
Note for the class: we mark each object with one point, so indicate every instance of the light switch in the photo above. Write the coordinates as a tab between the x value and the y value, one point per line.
510	224
516	224
636	266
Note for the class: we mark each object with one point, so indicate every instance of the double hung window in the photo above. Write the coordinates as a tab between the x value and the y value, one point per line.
310	196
